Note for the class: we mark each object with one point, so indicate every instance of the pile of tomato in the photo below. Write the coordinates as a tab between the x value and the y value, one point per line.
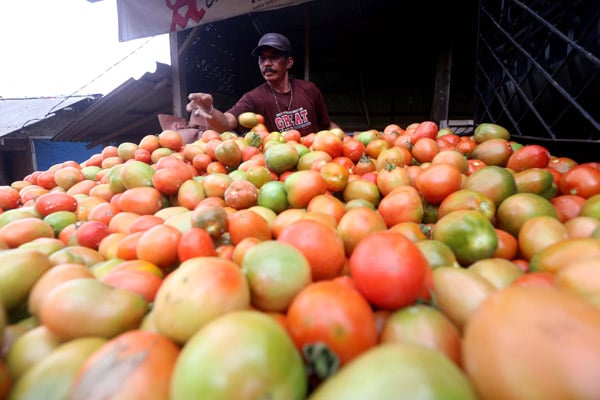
405	263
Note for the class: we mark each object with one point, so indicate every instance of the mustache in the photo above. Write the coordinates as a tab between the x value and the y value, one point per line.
267	69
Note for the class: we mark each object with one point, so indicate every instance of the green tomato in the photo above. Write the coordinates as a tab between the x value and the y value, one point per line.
276	272
469	234
397	371
240	355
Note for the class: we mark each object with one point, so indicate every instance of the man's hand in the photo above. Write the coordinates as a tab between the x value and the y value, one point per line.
201	104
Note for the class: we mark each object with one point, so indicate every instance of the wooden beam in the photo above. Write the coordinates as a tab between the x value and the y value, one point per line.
441	91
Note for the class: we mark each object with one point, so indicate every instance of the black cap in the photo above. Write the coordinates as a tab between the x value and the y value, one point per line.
274	40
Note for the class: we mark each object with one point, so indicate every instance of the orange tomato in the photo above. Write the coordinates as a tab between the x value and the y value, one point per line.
425	149
154	357
403	204
533	366
302	186
319	243
158	245
246	223
141	200
346	326
327	204
438	181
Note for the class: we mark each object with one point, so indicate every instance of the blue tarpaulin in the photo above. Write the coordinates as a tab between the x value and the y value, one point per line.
48	153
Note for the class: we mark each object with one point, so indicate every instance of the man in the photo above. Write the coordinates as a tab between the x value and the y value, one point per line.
283	102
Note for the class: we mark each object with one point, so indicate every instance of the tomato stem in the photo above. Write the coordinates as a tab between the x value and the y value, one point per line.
321	361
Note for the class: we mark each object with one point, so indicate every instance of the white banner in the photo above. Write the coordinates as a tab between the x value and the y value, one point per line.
142	18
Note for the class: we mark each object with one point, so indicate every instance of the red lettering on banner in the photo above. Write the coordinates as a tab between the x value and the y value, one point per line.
181	20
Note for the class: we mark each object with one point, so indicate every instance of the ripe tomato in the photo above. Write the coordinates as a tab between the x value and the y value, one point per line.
23	230
302	186
55	201
346	326
438	181
159	245
153	354
356	223
91	233
529	156
319	243
404	204
390	178
425	149
561	164
398	277
353	149
141	200
425	129
328	142
364	165
582	180
336	176
9	198
533	366
196	242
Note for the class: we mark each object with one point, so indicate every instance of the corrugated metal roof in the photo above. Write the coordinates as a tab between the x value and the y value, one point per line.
127	113
18	113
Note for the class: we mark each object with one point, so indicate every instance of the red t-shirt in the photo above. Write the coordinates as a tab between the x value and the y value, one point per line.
306	111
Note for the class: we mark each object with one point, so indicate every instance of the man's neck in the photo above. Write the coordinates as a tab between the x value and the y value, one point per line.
282	86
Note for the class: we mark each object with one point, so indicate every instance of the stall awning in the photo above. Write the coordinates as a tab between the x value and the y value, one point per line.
139	19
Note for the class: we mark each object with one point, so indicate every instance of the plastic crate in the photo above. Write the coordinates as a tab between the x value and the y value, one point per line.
538	69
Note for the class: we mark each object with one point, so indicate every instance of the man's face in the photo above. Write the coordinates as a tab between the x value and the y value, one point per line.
273	64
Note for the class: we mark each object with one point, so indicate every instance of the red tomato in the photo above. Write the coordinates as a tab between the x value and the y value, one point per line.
529	156
55	201
346	325
582	180
561	164
196	242
426	129
353	149
91	233
319	243
399	275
